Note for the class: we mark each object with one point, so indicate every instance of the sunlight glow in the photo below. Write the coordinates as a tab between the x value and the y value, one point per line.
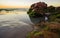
25	3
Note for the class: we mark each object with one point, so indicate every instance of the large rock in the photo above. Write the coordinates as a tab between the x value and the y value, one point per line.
37	9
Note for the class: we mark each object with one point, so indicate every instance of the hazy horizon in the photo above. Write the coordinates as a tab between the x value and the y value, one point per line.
25	3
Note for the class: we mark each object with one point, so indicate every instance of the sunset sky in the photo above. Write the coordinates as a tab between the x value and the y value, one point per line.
25	3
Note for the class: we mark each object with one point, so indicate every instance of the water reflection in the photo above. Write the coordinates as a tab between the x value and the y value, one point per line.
16	24
21	15
11	12
37	19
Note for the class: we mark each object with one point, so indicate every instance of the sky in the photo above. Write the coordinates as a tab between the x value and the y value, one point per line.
25	3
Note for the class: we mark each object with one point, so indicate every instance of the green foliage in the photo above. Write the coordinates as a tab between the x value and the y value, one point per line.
28	35
31	33
34	33
51	9
38	33
29	11
32	13
55	17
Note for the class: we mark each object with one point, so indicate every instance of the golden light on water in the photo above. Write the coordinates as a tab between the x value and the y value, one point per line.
12	12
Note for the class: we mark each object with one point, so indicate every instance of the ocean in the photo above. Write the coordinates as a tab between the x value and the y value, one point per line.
14	24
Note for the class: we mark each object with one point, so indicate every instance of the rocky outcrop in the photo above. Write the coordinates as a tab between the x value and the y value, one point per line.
37	9
46	30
